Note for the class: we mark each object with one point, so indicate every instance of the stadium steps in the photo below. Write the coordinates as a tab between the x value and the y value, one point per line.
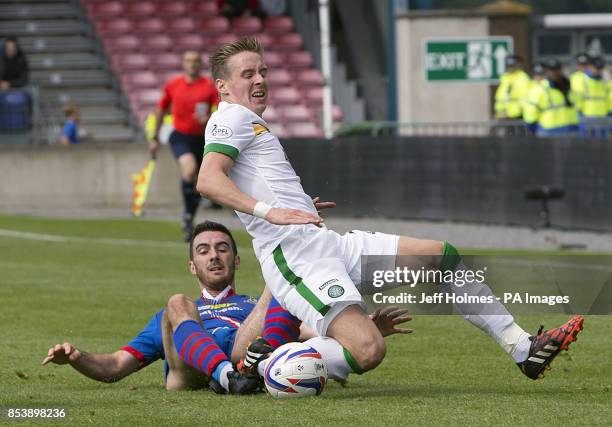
94	115
82	97
70	78
67	65
61	44
37	10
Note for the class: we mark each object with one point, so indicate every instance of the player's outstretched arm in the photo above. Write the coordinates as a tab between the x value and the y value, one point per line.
214	183
107	368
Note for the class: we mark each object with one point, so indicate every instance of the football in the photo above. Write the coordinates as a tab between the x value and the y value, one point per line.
295	370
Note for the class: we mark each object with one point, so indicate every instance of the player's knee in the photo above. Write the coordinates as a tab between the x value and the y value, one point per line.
179	306
371	353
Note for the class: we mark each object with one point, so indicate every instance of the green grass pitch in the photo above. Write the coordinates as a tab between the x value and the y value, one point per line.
101	280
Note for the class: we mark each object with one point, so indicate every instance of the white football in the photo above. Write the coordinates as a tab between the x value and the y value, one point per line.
295	370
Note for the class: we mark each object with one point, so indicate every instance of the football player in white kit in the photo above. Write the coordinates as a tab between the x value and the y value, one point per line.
312	271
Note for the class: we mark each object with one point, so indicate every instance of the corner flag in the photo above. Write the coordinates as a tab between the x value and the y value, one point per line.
140	186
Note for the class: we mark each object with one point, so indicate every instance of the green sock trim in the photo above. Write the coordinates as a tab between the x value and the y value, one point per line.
450	258
352	362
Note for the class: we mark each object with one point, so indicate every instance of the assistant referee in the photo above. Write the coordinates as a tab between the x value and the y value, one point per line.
191	98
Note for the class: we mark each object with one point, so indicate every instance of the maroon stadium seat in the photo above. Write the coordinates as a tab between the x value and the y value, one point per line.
131	61
279	77
157	42
174	8
107	9
140	9
266	40
190	42
288	42
222	39
273	59
246	25
313	96
304	130
299	60
271	115
296	113
337	115
278	25
127	43
205	8
164	76
182	25
150	26
205	60
312	77
285	96
115	27
214	26
146	97
166	61
142	79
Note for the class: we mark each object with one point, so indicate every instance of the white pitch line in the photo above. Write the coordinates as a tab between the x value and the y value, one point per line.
57	238
70	239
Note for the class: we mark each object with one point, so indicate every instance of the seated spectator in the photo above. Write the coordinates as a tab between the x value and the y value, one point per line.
70	131
13	66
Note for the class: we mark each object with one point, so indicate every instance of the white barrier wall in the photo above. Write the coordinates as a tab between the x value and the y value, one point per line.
85	176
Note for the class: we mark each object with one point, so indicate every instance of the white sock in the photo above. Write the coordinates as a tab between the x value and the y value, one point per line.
333	355
223	380
493	318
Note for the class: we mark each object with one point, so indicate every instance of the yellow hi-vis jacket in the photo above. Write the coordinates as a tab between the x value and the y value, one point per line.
546	107
512	89
591	97
576	85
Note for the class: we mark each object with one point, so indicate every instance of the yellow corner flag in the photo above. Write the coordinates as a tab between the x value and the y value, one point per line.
140	186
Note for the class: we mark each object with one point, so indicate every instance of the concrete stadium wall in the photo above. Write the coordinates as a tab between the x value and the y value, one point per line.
422	101
85	176
477	180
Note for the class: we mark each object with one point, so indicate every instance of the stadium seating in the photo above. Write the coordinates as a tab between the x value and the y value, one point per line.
140	9
159	42
182	26
278	25
246	26
279	77
204	9
144	41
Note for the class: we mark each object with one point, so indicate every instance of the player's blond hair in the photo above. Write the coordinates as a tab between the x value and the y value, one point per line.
218	60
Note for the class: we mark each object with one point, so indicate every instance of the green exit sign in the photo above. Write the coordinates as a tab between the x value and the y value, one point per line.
466	60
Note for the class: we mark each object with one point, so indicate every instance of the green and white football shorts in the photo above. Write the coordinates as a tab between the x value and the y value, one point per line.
315	273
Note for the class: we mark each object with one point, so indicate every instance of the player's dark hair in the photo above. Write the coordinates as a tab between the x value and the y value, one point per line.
210	226
218	60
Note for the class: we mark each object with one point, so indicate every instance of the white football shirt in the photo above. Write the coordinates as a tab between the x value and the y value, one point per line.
261	170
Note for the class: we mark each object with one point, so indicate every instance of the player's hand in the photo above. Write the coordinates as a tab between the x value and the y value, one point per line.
281	216
154	146
322	205
387	319
62	354
201	118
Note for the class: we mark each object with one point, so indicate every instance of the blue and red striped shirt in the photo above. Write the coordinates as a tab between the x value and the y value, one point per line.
221	318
